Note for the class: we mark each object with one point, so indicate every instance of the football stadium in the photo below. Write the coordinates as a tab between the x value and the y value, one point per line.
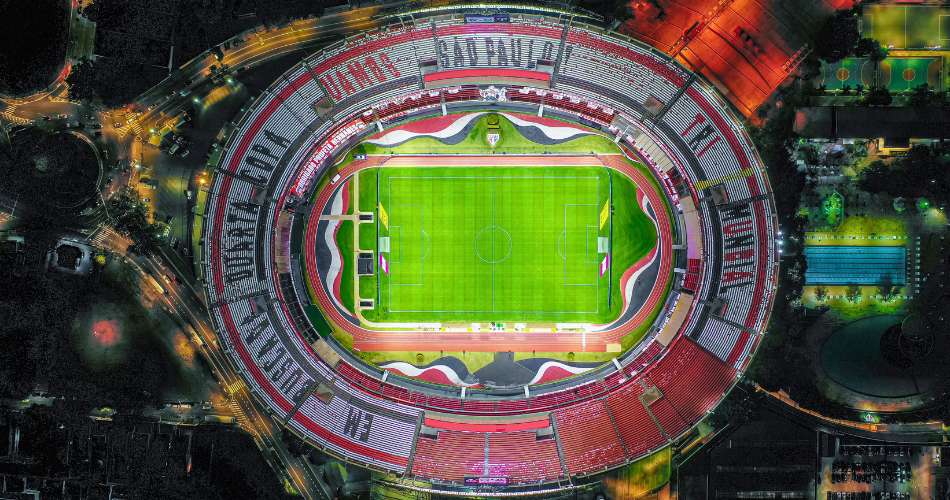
490	253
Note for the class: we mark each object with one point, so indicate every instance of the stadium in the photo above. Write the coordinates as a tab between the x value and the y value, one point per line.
495	252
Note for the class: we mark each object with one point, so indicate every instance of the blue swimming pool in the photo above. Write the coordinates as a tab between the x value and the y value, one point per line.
854	265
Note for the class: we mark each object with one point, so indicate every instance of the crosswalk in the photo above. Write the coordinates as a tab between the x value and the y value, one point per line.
8	115
239	415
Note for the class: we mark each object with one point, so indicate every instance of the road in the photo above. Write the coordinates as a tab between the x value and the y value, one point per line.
182	300
195	85
125	136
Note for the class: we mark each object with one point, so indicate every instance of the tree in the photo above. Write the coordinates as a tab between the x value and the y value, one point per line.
854	293
870	48
821	293
32	44
886	289
877	96
838	36
131	217
921	96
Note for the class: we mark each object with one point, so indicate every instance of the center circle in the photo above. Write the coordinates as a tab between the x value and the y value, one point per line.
493	244
843	74
909	74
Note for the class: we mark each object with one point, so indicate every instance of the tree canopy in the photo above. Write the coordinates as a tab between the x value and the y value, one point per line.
32	44
838	36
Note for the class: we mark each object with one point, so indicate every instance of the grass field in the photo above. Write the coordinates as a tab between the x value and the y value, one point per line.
487	244
907	26
494	244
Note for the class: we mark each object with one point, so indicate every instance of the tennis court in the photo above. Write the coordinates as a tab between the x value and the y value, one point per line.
855	265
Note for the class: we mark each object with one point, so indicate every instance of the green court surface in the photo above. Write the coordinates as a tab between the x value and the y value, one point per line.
906	73
907	26
500	244
849	72
898	74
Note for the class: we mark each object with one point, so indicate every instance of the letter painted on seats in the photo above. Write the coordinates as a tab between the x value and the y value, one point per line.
698	119
388	64
257	148
269	344
327	82
739	242
489	50
303	390
348	88
701	136
259	163
459	57
254	332
240	232
238	261
243	246
359	74
249	208
280	351
472	47
251	177
515	45
547	51
739	211
374	69
277	139
288	382
502	54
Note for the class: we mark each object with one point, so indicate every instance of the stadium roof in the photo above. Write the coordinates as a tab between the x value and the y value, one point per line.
872	122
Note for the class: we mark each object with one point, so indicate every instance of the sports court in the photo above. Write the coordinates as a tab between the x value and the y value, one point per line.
855	265
907	27
905	73
898	74
848	72
493	243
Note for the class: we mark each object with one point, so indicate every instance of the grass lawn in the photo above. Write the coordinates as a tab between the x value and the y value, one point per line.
861	231
641	477
344	240
367	236
870	302
197	224
511	142
474	361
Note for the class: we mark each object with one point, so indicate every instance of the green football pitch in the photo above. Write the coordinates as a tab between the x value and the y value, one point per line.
500	244
907	26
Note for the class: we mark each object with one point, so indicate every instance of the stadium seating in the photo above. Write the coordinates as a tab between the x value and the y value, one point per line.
638	431
588	437
602	420
450	456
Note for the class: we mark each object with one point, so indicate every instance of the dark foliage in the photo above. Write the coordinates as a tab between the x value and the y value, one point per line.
924	171
32	44
130	216
870	48
49	171
838	37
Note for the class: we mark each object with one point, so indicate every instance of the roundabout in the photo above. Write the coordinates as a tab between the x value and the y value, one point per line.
520	266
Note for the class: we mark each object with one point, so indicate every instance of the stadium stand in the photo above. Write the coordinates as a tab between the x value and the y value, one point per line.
597	420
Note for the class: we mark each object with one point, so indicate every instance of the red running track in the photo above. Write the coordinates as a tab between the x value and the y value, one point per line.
370	340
